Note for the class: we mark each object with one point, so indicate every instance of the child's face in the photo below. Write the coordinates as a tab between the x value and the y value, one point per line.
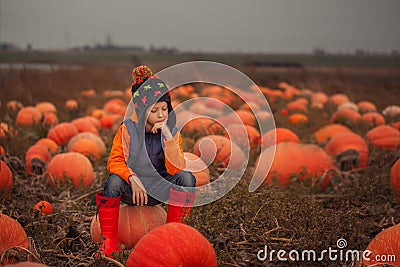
156	113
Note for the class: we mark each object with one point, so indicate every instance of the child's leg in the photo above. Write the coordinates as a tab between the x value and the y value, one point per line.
181	199
116	186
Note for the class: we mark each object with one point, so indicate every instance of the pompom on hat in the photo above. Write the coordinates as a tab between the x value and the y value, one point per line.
148	90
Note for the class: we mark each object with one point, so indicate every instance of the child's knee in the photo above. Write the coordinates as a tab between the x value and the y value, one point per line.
187	179
113	183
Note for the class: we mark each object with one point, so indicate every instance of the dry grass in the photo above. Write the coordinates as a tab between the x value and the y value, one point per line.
356	206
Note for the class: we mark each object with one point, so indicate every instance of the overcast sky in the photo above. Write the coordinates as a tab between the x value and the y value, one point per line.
205	25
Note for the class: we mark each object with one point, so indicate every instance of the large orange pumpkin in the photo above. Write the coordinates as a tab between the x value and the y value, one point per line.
328	131
395	179
6	178
278	135
385	248
384	136
26	264
348	151
11	234
220	150
134	222
36	159
173	244
28	116
199	169
62	133
70	165
304	161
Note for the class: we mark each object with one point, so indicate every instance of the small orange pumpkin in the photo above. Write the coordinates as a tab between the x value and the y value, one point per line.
297	118
28	116
348	151
297	106
373	119
44	207
36	159
319	97
346	116
71	105
14	105
366	106
338	99
46	107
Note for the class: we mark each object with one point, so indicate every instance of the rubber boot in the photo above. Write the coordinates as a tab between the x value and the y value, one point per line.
108	210
179	206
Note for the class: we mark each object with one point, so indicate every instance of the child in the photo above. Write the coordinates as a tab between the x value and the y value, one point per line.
146	160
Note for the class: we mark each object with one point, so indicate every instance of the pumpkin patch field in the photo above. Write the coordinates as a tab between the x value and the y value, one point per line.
334	181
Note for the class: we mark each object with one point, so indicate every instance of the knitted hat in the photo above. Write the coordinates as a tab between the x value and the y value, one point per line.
148	90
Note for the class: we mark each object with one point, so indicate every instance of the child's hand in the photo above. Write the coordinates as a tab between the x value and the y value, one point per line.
162	125
139	195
